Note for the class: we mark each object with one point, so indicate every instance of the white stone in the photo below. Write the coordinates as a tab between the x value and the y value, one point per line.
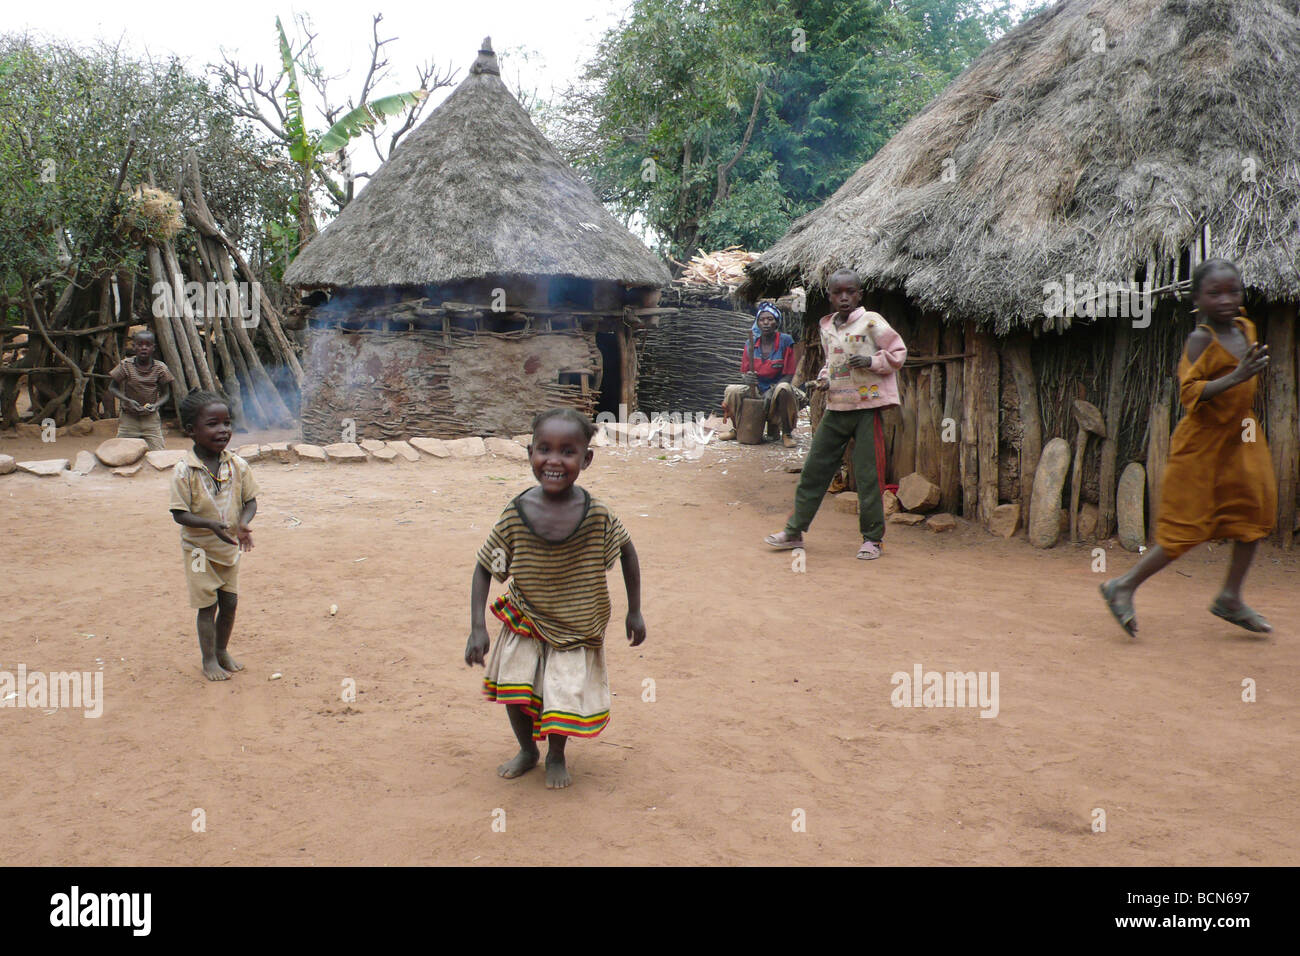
249	452
506	448
405	450
344	451
44	468
309	452
85	463
432	446
466	448
165	459
7	464
117	452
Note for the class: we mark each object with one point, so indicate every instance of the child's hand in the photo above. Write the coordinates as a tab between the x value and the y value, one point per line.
860	361
221	531
133	406
245	536
1252	363
819	385
635	628
476	647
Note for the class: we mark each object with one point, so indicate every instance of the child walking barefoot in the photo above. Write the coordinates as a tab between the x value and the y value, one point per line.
1219	481
213	499
555	543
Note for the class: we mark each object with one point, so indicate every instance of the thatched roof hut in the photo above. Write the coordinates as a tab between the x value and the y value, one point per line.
474	191
475	280
1103	141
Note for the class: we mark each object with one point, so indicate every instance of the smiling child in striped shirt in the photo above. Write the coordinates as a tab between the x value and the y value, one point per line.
554	542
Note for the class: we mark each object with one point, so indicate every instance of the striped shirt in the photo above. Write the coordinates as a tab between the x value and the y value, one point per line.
559	586
142	386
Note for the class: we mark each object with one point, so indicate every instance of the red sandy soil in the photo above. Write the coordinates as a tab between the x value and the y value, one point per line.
772	688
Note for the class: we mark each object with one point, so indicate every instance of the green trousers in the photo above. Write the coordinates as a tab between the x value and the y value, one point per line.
823	461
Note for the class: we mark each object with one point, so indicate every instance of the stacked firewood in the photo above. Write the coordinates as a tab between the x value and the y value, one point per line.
214	348
724	267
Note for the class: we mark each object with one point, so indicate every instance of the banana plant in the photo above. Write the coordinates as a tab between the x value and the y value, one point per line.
305	148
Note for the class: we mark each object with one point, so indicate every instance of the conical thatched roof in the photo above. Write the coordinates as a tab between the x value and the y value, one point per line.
1095	137
474	191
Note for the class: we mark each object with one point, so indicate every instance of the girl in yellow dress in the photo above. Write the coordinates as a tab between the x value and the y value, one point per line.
1219	481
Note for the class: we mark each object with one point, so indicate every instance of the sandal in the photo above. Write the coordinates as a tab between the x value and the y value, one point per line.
1242	617
869	551
1127	618
783	542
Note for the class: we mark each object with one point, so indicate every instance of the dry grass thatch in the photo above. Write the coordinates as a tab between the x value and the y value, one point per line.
725	267
153	214
474	191
1065	158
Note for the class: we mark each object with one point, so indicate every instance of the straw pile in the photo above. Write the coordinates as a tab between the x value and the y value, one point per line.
152	214
724	267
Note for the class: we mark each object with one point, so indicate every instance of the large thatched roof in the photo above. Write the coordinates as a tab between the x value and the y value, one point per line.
1068	156
474	191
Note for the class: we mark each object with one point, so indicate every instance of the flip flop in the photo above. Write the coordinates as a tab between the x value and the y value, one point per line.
775	541
869	551
1242	617
1127	619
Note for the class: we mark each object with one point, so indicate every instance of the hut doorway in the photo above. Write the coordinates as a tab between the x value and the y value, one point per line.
611	380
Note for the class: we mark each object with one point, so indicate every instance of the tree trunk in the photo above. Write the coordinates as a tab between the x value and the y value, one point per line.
1017	353
1110	444
1281	425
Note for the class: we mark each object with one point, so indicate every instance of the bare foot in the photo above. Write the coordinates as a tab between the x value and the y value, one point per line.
228	663
557	774
213	670
522	762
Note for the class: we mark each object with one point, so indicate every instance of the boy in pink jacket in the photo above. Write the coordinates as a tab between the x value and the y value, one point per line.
862	356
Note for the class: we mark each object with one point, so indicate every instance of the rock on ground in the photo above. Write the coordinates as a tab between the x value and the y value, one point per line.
432	446
372	445
941	522
83	427
846	501
1045	502
7	464
1088	517
128	470
903	517
405	450
889	501
117	452
85	463
383	453
165	458
279	451
466	448
309	452
344	451
1129	511
249	452
44	468
918	493
1005	520
507	448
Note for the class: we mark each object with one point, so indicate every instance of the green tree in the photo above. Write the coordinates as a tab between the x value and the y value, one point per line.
718	121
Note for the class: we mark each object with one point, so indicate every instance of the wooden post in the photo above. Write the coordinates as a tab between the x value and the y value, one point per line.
905	452
627	356
986	423
969	458
163	326
1110	444
1031	420
950	450
1281	413
1157	452
927	399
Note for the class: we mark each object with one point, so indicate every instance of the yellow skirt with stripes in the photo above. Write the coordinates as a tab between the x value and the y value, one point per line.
564	691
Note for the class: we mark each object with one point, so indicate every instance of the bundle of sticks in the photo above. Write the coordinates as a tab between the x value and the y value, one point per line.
188	337
723	267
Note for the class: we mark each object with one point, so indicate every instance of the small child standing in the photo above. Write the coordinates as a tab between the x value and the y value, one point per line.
555	543
213	499
863	355
143	386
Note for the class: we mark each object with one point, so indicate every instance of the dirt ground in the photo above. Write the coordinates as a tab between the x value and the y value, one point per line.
772	689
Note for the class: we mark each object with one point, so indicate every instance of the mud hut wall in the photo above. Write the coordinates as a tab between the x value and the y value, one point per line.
451	383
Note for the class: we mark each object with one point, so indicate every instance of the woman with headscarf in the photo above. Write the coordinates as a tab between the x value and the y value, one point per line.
768	364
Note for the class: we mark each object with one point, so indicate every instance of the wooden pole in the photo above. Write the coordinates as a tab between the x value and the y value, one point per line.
1281	413
1157	452
928	398
163	326
189	321
986	423
950	425
1031	420
969	457
1110	443
217	337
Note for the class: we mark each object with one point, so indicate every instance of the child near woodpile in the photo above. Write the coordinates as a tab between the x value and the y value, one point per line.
213	499
863	355
142	386
554	542
1219	480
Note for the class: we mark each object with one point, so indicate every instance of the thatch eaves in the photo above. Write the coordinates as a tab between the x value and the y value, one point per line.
1093	139
474	191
